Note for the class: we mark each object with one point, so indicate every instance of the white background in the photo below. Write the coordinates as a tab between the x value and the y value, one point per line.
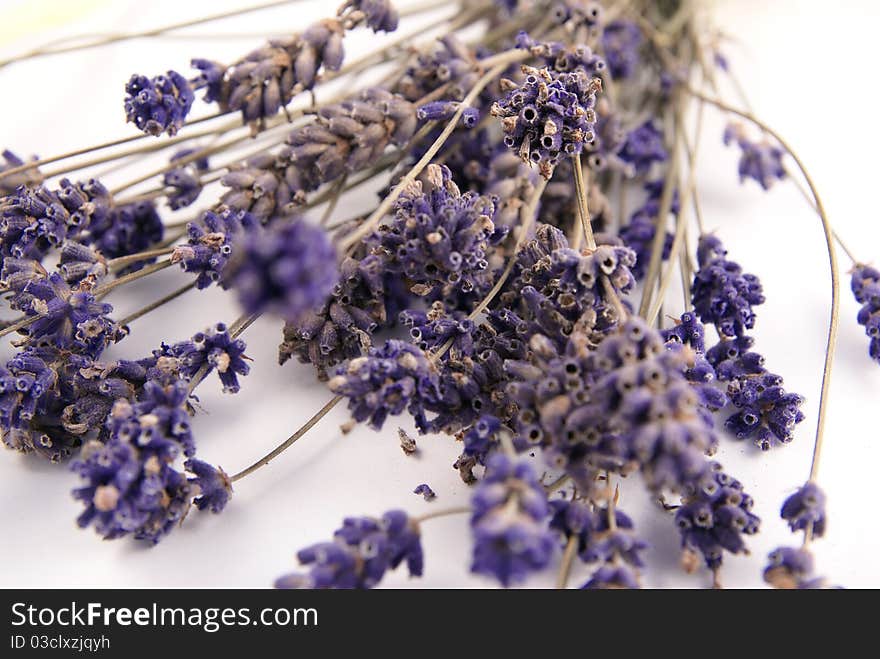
808	67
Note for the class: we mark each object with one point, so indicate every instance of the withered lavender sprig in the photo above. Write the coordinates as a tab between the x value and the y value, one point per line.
866	289
510	522
597	541
439	238
723	295
760	161
210	244
160	104
360	554
805	509
288	269
213	349
714	515
184	183
549	115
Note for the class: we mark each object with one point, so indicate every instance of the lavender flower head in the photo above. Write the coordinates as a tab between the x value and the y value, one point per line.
805	509
439	238
213	349
723	294
160	104
620	45
287	269
550	115
360	554
791	569
509	522
211	486
866	289
760	161
211	242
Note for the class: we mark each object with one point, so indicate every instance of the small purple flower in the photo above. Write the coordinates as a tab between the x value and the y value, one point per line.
597	540
549	116
425	490
360	554
766	411
791	569
806	509
212	349
379	15
287	269
509	522
29	178
184	183
866	289
131	229
644	147
723	294
444	110
760	161
389	380
714	515
160	104
439	238
211	486
620	45
211	242
611	577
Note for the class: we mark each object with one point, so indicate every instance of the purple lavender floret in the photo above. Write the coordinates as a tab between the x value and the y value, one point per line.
211	242
288	269
132	228
638	235
806	509
360	554
444	110
446	61
596	540
621	41
184	183
688	331
131	486
790	568
766	411
549	116
714	515
78	263
67	318
211	486
760	161
438	238
643	147
481	439
613	577
379	15
163	410
213	349
160	104
723	294
866	289
509	522
425	491
394	377
734	359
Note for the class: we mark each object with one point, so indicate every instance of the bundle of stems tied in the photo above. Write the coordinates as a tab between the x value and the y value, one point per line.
509	285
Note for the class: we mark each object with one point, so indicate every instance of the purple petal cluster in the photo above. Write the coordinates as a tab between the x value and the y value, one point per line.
621	41
714	516
550	115
210	485
392	378
360	554
760	161
379	15
184	183
287	269
210	244
723	295
805	509
29	178
213	349
866	288
643	147
613	577
438	238
638	235
446	61
597	539
160	104
790	568
510	522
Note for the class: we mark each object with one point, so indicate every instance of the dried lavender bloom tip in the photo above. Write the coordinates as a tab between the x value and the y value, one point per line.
379	15
212	488
160	104
866	289
425	490
443	110
791	569
760	161
805	510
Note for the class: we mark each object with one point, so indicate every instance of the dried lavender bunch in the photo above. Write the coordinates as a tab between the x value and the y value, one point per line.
490	291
